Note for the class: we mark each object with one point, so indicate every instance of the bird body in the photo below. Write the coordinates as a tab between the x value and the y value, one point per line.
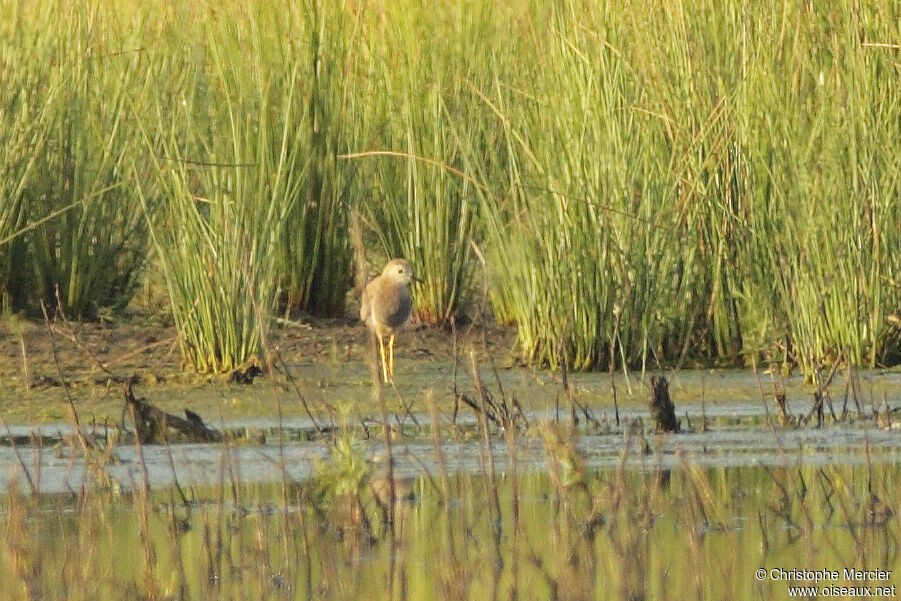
386	307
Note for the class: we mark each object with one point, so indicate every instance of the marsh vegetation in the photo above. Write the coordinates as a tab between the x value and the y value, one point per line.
631	185
629	188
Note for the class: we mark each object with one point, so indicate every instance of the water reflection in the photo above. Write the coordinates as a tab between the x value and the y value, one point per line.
687	531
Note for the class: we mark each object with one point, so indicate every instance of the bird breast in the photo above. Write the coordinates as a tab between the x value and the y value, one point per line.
391	306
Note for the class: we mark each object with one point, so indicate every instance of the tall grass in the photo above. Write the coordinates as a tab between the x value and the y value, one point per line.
421	202
650	182
236	174
315	254
595	239
76	75
21	141
818	122
693	178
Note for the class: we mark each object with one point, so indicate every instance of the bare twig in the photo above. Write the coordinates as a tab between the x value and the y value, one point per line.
82	439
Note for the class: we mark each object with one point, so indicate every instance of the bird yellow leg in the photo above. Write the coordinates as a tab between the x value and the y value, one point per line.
391	356
382	359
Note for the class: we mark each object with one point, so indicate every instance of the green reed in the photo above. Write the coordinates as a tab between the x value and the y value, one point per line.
647	183
694	181
421	203
821	197
70	139
20	138
315	253
593	242
228	173
252	192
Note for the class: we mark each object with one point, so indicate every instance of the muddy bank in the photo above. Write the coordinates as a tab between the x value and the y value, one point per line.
330	375
95	359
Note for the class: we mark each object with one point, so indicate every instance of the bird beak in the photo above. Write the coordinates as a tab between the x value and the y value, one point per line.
417	280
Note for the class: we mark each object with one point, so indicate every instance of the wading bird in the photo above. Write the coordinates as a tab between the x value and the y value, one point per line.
386	308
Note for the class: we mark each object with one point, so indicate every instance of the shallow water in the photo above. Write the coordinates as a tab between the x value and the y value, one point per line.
694	534
728	417
621	514
64	468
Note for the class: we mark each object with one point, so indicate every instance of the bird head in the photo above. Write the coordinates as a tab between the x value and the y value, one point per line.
399	270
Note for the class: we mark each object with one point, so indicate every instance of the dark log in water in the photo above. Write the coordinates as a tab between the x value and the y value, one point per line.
663	412
153	425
